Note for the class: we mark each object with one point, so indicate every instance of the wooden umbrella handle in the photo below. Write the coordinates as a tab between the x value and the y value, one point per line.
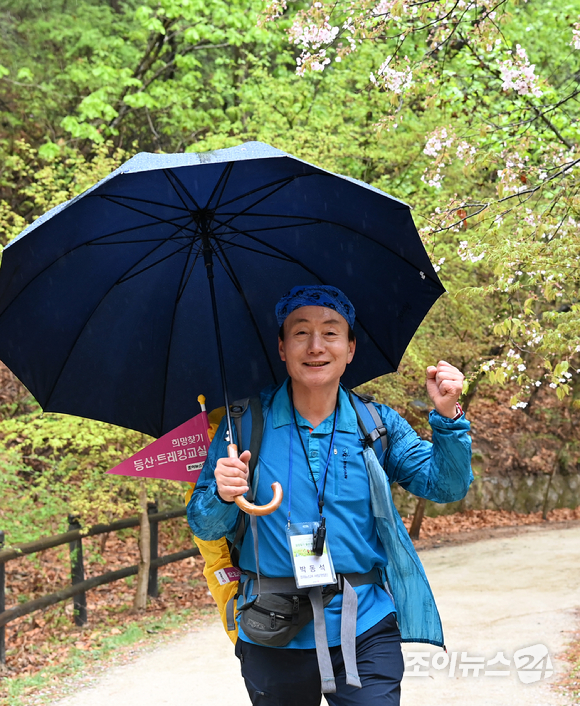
250	508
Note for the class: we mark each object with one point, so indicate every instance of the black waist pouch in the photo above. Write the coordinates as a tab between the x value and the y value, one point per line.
273	619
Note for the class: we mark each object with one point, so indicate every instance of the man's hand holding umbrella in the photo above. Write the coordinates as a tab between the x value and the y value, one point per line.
232	481
231	476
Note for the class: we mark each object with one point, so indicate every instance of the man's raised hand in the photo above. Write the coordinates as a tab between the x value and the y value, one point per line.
444	387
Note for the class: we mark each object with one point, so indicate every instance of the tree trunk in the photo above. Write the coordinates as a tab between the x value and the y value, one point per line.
140	601
471	392
417	519
550	479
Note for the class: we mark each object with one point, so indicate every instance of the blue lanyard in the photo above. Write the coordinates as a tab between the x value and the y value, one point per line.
291	463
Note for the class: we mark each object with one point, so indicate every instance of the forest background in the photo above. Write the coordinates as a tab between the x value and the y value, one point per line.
466	110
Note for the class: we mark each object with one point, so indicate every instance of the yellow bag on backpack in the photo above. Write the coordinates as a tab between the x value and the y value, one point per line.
216	552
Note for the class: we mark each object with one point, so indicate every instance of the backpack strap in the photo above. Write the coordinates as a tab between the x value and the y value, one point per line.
257	432
379	432
237	411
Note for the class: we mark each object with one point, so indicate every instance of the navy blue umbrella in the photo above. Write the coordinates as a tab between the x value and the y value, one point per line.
110	303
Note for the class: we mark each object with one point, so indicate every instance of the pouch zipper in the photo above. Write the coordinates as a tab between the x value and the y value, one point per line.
292	617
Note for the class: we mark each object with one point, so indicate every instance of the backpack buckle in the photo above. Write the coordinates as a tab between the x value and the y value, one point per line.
374	435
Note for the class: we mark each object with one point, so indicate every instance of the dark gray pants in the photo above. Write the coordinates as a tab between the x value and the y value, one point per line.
281	677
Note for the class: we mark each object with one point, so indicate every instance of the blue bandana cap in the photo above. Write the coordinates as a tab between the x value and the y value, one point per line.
315	295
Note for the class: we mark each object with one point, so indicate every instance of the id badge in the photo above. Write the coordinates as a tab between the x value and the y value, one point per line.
309	569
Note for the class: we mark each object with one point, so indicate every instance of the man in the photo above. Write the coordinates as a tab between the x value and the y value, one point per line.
312	445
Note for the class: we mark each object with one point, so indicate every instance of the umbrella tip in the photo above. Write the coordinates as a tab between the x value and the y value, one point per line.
201	400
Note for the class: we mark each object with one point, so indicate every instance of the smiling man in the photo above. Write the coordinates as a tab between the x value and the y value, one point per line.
337	583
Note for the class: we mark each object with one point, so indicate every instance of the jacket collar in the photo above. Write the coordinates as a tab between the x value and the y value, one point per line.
282	412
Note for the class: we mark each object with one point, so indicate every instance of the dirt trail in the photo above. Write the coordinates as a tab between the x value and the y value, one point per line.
497	595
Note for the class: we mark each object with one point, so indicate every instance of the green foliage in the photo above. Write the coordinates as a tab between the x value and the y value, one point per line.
45	177
160	73
85	85
21	515
53	465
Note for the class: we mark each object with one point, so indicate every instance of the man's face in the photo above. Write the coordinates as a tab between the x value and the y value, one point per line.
316	348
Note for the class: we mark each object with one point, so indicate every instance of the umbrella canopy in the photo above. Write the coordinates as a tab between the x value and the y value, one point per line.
105	307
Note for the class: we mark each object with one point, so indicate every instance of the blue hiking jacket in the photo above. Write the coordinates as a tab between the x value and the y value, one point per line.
439	471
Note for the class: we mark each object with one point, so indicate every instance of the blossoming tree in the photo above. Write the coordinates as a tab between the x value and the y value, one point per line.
500	80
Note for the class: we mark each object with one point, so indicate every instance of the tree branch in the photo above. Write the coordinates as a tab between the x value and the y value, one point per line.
150	56
536	110
527	192
525	122
550	124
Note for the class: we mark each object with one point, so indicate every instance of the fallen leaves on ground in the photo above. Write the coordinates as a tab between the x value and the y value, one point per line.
569	683
487	519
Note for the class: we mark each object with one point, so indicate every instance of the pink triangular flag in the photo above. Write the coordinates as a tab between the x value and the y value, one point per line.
178	455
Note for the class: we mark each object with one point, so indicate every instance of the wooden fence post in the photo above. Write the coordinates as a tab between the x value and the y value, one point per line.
2	604
152	585
77	572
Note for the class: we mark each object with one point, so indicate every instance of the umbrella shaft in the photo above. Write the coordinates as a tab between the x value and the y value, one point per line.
208	259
